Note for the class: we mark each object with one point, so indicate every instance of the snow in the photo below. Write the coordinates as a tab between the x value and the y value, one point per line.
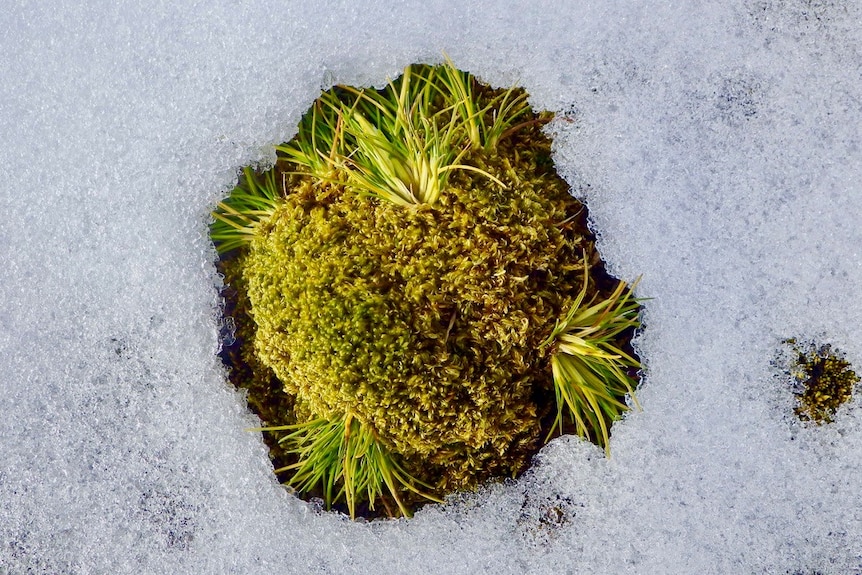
717	145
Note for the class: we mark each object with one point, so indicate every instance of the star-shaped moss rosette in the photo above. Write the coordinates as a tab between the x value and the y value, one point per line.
419	302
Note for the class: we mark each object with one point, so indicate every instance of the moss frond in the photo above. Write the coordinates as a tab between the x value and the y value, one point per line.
237	217
319	143
343	453
591	372
486	122
397	144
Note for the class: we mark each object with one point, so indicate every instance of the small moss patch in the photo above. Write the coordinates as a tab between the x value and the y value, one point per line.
823	380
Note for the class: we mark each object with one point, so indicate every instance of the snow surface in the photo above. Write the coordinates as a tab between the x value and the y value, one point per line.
717	144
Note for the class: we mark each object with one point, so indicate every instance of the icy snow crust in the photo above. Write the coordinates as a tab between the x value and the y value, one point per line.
717	145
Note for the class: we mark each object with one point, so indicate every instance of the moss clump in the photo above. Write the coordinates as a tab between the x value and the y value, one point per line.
420	284
823	381
424	323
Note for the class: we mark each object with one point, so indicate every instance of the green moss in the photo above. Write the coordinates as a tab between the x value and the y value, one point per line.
824	381
425	324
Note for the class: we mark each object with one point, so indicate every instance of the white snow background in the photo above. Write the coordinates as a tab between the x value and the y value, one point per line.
716	143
